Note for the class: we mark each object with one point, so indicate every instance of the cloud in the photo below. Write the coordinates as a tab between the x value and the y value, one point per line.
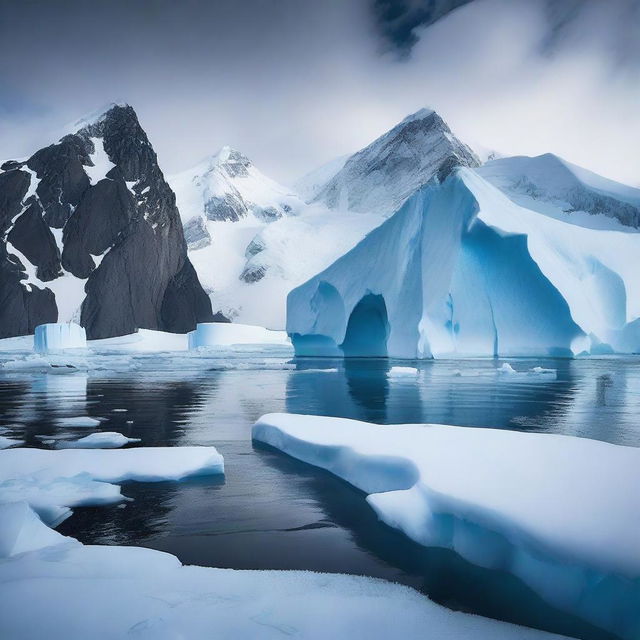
293	83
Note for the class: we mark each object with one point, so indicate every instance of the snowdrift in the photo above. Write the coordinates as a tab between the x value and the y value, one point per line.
59	335
462	270
558	512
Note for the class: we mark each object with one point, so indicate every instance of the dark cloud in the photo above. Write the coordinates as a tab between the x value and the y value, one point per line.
398	20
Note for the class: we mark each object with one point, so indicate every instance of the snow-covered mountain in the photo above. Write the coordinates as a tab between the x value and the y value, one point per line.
252	240
555	187
380	177
90	231
227	187
464	270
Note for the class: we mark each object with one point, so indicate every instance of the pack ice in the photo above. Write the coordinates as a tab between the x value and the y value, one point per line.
59	335
558	512
73	591
463	270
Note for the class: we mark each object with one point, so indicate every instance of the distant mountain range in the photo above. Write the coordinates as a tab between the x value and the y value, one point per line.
92	231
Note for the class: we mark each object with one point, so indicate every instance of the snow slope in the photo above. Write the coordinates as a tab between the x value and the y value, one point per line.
252	240
555	511
550	185
462	270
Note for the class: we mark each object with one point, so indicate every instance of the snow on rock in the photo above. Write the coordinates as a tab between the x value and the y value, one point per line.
461	270
557	512
552	186
309	185
54	481
59	335
73	592
102	440
380	177
215	334
22	530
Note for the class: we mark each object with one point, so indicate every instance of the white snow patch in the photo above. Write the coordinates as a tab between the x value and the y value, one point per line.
557	512
6	442
101	162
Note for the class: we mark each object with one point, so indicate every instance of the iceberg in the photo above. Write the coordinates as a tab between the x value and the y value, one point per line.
557	512
59	335
73	591
462	270
221	334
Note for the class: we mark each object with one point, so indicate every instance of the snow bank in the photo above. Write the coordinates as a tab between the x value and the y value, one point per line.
71	591
215	334
461	270
560	513
59	335
54	481
102	440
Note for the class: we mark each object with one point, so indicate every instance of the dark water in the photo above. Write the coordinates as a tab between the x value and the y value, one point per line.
272	512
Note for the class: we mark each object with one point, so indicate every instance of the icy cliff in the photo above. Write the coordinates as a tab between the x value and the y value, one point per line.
58	335
461	269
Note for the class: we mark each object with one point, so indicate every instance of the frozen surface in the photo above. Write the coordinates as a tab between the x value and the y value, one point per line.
555	511
5	442
22	530
73	591
102	440
59	335
54	481
461	270
214	334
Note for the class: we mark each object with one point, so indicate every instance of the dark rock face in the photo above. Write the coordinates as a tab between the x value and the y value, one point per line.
126	217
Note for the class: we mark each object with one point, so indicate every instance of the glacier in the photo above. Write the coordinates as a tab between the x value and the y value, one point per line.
59	335
555	511
463	270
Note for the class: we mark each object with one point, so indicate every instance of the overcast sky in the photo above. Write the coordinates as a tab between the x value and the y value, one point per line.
294	83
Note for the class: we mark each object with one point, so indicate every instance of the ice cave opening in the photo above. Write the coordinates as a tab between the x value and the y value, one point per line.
367	329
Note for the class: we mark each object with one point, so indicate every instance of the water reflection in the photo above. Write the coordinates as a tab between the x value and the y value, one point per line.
274	512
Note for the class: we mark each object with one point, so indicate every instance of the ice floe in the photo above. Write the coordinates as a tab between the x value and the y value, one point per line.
78	421
558	512
102	440
71	591
53	482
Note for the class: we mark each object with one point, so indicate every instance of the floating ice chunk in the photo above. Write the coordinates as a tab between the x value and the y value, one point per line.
59	335
215	334
5	442
22	530
102	440
53	481
78	421
507	369
403	371
542	371
557	512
